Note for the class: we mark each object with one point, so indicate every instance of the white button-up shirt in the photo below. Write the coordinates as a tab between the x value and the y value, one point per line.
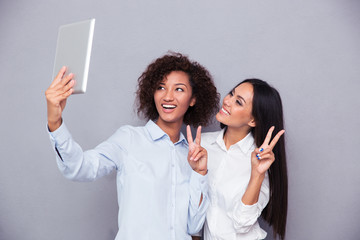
229	174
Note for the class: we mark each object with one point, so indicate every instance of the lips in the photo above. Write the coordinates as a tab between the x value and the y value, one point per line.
168	106
223	110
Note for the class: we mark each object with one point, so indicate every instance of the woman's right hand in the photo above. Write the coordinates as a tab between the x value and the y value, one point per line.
60	89
263	157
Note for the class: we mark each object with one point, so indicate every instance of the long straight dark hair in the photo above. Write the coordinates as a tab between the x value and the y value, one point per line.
267	111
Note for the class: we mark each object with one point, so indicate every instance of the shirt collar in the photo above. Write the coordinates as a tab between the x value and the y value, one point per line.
244	144
157	133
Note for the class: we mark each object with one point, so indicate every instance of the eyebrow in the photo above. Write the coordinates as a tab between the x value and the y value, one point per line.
176	84
238	96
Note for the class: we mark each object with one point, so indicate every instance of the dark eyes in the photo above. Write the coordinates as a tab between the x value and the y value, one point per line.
163	88
238	102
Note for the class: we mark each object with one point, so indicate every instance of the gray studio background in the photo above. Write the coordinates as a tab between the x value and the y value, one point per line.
309	50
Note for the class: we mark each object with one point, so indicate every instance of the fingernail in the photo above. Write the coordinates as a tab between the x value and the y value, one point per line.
261	149
258	158
257	155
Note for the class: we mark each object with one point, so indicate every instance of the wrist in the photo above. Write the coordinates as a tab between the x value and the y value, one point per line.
258	177
202	172
53	125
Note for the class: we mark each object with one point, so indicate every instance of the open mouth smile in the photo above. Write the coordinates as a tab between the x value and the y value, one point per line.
168	106
225	112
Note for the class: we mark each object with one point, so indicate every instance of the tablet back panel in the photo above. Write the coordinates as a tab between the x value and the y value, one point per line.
73	50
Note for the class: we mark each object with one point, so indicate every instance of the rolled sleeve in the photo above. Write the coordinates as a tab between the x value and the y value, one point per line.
245	216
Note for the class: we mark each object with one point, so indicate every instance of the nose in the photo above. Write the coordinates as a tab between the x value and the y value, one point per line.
169	96
226	100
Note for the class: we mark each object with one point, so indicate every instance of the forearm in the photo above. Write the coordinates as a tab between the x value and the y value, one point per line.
251	195
54	124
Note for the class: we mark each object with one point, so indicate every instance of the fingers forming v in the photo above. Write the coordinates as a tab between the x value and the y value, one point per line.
276	138
268	136
198	135
194	154
188	134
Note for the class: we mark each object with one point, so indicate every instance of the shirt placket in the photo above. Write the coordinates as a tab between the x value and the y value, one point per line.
218	177
173	191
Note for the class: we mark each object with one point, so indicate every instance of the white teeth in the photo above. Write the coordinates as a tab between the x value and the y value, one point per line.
168	106
224	111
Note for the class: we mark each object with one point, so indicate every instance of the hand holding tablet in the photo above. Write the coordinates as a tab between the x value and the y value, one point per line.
70	69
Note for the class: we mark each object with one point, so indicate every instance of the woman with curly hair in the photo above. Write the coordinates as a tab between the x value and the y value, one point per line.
247	166
161	195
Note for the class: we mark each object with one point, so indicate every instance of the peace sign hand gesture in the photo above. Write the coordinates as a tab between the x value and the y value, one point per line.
263	157
197	156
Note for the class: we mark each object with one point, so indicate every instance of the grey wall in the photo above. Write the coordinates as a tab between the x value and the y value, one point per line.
308	50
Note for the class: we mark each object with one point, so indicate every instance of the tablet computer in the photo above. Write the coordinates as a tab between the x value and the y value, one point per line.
73	50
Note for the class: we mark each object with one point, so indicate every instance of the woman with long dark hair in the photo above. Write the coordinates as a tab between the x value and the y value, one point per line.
247	167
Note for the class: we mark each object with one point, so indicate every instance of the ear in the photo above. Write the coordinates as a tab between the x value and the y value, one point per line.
192	101
252	123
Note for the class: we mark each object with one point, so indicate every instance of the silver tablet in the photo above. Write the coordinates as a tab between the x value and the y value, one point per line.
73	50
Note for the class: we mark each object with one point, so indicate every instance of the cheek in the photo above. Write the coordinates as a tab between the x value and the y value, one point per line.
185	101
157	97
240	115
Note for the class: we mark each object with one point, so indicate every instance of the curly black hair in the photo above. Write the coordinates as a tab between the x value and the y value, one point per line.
203	88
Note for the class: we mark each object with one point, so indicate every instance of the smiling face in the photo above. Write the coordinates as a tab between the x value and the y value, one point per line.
173	97
236	111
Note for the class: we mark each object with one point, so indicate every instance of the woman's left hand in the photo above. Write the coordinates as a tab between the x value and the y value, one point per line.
197	156
263	157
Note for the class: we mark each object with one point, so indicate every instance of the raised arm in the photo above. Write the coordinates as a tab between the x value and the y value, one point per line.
261	160
254	200
72	161
199	200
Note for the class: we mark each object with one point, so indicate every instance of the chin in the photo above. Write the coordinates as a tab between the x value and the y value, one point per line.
170	120
219	118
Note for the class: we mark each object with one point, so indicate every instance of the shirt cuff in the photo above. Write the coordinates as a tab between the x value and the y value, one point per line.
246	210
60	135
199	184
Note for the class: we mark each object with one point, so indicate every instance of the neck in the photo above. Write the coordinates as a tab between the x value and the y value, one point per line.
234	135
171	129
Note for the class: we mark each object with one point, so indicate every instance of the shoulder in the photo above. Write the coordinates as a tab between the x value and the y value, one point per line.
209	137
128	133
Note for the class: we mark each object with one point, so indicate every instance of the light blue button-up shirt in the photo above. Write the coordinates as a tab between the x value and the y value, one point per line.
158	192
